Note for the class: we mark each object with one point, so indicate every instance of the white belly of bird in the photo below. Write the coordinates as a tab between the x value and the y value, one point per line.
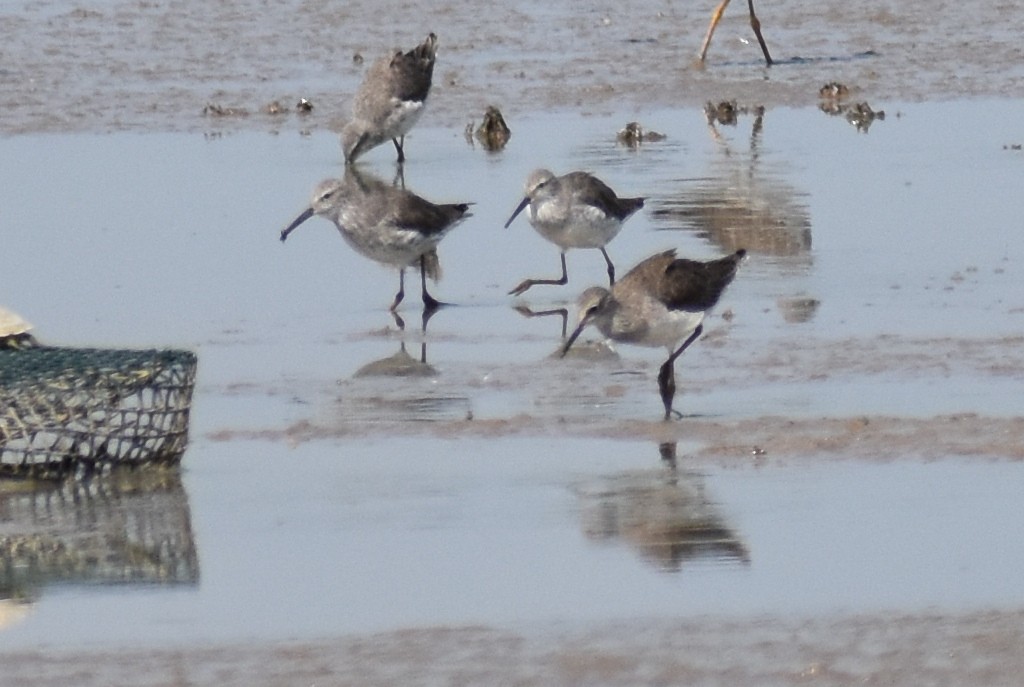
667	330
391	245
403	115
583	226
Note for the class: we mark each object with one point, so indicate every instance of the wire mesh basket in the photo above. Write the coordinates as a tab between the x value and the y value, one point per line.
73	410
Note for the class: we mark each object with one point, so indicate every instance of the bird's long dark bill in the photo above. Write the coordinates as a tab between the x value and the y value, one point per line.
519	208
306	214
575	335
361	146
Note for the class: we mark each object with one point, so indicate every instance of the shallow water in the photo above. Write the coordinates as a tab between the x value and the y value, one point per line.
374	535
880	282
900	240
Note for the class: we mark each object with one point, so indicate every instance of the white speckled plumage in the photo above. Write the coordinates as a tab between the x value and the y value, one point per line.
576	210
389	225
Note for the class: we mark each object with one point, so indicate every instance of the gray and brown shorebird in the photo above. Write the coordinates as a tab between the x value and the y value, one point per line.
660	302
389	225
575	210
754	24
390	100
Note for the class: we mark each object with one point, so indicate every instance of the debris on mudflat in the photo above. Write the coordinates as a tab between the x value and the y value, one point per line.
831	95
357	58
861	116
728	112
215	110
634	134
799	309
303	106
274	107
493	133
833	90
722	113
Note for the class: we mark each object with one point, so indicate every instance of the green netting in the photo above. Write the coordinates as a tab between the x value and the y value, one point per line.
67	410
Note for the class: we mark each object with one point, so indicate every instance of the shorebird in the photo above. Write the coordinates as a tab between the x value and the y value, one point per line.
660	302
390	100
576	210
754	24
389	225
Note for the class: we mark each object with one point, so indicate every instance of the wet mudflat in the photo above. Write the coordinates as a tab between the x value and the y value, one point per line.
364	502
847	461
119	65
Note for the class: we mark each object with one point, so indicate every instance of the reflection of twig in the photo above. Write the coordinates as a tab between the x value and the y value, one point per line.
727	113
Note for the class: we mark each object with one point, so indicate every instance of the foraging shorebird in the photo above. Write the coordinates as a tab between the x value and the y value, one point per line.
754	24
576	210
660	302
390	100
388	225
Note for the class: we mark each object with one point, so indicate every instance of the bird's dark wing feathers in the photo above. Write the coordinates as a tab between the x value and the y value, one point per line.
692	285
413	71
597	193
423	216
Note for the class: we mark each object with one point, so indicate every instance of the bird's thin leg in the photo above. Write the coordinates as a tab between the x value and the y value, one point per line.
667	386
527	283
667	374
689	340
756	25
399	180
562	312
399	146
715	18
401	290
611	267
429	302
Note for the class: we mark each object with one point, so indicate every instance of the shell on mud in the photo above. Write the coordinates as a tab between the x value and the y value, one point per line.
12	324
14	330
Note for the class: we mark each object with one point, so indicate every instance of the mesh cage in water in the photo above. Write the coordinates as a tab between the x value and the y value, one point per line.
126	526
68	410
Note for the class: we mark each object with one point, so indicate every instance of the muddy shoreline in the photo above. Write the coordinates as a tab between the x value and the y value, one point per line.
977	648
758	440
126	66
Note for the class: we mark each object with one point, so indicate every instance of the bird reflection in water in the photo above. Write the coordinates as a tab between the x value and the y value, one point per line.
665	515
401	363
744	201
